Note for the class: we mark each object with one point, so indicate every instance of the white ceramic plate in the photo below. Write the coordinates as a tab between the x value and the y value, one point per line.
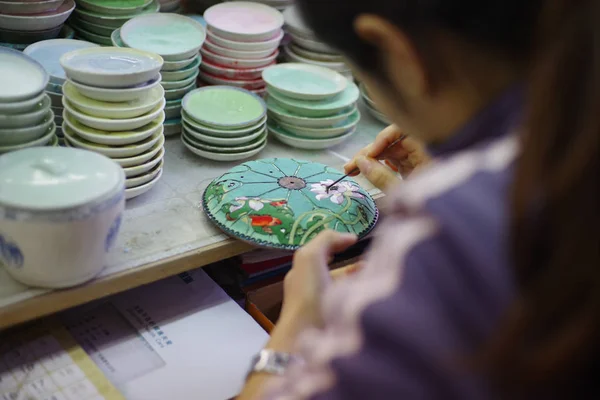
111	67
143	158
32	23
242	148
244	21
117	95
241	54
121	110
176	94
19	107
308	144
225	133
114	125
18	136
305	82
245	84
296	58
125	151
325	132
21	78
246	46
171	85
141	169
226	157
134	192
174	37
281	115
113	138
144	178
49	52
182	73
313	55
28	118
177	65
294	21
223	141
311	44
318	108
238	63
43	141
233	73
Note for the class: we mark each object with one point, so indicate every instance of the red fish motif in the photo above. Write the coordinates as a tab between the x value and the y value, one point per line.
279	203
265	222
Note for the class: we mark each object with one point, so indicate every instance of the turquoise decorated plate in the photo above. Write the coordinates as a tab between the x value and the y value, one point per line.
283	203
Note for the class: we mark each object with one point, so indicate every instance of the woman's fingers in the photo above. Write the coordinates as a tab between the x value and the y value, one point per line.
378	174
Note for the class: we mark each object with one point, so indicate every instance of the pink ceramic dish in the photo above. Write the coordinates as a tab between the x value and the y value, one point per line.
29	7
238	63
254	84
233	73
241	54
244	21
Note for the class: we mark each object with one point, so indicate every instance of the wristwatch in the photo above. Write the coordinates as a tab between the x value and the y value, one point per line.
271	362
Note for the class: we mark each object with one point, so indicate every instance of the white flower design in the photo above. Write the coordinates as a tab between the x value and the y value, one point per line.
254	204
336	193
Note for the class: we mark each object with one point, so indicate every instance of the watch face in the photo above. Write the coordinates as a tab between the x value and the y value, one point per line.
284	203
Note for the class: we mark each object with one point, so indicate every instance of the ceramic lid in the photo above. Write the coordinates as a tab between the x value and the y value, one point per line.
46	178
284	203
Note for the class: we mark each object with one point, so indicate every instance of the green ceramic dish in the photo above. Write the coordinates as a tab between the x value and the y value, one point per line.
114	7
112	20
90	36
323	132
284	203
318	108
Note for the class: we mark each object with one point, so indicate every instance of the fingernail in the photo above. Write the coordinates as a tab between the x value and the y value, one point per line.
364	165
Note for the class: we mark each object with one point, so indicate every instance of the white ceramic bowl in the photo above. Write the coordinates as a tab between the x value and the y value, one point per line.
18	136
233	73
143	158
121	110
225	157
171	85
124	151
157	33
28	118
304	82
141	169
117	95
136	191
246	84
144	178
61	216
238	63
244	21
43	141
111	67
308	144
113	138
114	125
21	77
20	107
241	54
31	23
176	65
223	141
246	46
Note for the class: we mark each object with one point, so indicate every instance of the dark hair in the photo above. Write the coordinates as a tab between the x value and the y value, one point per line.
551	333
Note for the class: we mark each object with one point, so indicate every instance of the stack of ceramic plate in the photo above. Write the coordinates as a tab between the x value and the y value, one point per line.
26	21
243	39
25	116
371	107
113	105
95	20
170	6
177	39
278	4
48	54
224	123
310	107
305	48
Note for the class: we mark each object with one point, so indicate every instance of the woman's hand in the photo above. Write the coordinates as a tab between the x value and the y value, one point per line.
404	157
309	277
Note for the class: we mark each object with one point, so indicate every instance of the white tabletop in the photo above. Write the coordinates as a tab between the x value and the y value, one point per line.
165	231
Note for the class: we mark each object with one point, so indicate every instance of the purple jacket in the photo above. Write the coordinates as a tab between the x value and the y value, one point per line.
436	282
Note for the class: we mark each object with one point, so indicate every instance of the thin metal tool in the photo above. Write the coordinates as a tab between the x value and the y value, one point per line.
355	170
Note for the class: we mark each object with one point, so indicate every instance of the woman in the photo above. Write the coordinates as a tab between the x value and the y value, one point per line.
483	278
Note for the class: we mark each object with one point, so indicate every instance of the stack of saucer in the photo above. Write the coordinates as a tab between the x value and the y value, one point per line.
113	105
48	54
310	107
25	116
95	20
371	106
243	39
224	123
26	22
305	48
177	39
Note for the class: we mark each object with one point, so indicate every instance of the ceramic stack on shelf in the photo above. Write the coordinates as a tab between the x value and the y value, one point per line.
243	39
24	22
371	106
224	123
310	107
95	20
25	116
305	48
113	105
177	39
48	54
